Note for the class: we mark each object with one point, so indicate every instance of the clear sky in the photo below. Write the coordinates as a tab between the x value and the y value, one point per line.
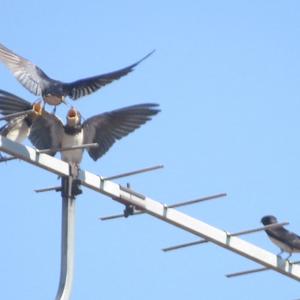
226	74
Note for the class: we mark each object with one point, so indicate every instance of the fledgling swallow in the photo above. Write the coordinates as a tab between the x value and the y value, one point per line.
54	91
104	129
18	128
286	240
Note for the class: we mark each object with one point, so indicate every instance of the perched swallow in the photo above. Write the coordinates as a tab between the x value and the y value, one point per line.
53	91
286	240
18	128
104	129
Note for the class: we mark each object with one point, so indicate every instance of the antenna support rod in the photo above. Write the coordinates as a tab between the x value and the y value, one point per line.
253	271
92	145
180	246
178	204
134	172
67	239
54	188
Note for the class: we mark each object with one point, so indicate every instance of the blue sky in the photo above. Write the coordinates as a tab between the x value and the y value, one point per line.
226	75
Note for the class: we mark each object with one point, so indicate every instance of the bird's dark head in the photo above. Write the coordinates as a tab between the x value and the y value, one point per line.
73	117
267	220
37	108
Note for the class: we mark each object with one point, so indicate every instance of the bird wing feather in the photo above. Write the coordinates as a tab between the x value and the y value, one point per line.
89	85
28	74
105	129
285	236
10	103
46	132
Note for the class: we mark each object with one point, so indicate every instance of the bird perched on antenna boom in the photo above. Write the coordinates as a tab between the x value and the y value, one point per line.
286	240
54	91
104	129
18	128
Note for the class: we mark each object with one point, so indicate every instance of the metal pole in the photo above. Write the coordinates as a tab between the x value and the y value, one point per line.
55	188
67	240
247	272
92	145
178	204
253	271
134	172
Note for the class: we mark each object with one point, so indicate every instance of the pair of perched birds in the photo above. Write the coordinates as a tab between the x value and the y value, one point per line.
46	131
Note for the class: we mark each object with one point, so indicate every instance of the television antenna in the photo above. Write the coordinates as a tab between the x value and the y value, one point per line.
139	202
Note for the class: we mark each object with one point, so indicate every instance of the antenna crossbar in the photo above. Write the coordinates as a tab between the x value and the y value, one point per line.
174	205
247	272
244	232
144	170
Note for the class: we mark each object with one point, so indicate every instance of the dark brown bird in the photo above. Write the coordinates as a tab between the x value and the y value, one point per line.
104	129
286	240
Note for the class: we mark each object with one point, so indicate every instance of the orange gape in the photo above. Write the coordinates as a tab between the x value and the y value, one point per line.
38	108
72	113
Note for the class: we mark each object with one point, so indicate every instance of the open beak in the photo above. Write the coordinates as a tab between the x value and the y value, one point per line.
72	114
38	108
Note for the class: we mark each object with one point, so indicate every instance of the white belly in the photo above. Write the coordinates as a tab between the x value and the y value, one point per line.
283	246
72	156
53	100
19	132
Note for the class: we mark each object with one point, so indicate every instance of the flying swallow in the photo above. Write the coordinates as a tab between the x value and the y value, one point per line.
104	129
286	240
54	91
18	128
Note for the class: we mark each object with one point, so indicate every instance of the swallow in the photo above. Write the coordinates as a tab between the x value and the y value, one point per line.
104	129
36	81
18	128
286	240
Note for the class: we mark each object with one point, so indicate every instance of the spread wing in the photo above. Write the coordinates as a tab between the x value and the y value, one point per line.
10	103
105	129
28	74
11	126
46	132
89	85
